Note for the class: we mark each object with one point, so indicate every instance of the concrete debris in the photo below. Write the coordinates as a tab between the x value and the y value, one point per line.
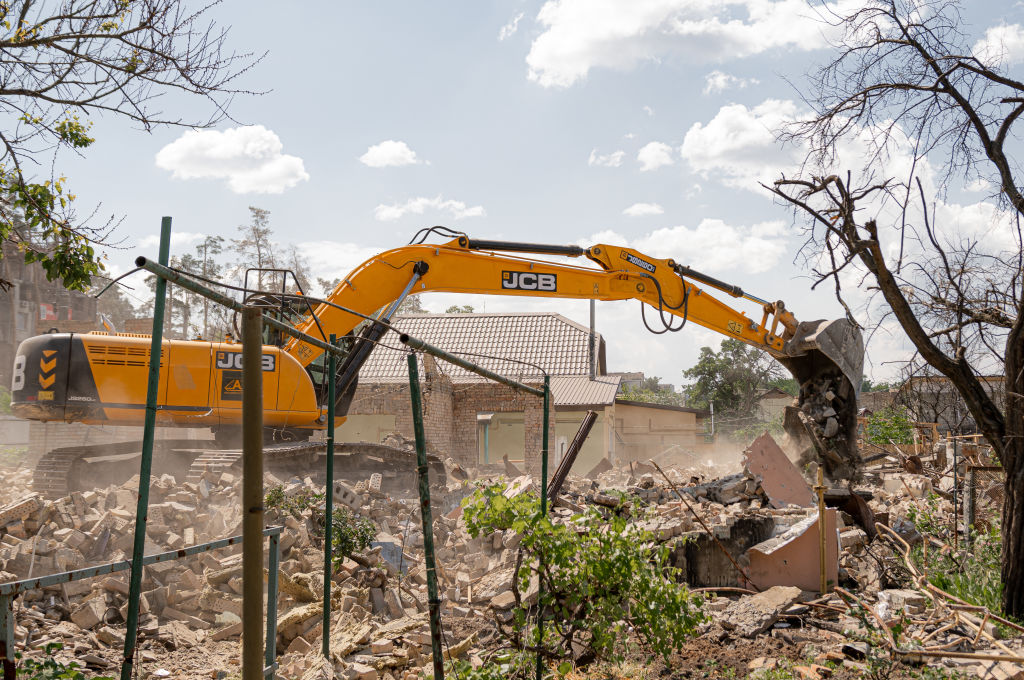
792	558
781	480
762	513
753	614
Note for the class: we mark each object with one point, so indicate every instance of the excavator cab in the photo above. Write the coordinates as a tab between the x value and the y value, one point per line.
278	292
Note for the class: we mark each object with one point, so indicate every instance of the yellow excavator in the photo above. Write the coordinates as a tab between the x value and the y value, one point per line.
100	377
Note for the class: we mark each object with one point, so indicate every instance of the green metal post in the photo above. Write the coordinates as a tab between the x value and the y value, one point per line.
332	369
417	344
544	448
146	465
274	561
433	601
544	512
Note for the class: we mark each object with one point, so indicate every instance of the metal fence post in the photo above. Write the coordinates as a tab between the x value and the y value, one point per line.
543	512
7	636
969	503
956	484
270	654
332	369
146	464
252	494
433	601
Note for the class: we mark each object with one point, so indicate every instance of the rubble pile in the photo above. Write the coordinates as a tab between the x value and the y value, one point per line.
14	483
183	602
749	539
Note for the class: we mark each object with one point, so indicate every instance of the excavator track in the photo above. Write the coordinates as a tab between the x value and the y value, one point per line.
353	461
60	471
274	455
76	468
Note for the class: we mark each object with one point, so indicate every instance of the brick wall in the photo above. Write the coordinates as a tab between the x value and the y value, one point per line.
450	411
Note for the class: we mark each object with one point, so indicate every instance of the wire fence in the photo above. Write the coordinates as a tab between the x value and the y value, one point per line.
984	496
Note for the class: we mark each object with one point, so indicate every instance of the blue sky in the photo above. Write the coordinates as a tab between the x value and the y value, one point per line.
566	121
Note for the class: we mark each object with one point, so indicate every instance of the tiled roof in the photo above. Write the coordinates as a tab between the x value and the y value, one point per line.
550	341
582	391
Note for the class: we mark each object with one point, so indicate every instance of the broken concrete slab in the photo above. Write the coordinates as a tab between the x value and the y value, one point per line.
781	480
603	465
793	558
751	615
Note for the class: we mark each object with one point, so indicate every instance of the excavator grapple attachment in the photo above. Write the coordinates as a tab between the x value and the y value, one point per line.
827	359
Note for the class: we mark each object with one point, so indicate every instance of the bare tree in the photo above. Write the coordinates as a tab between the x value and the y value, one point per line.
905	83
65	61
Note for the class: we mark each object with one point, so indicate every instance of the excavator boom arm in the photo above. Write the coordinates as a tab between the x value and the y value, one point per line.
456	267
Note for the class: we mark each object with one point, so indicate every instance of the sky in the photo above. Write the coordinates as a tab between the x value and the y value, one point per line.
640	122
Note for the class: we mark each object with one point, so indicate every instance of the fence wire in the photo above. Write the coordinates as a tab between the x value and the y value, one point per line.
984	496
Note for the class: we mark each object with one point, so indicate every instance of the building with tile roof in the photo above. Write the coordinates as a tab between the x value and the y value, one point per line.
478	422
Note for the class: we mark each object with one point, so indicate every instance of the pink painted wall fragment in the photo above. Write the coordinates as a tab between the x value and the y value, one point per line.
793	558
780	479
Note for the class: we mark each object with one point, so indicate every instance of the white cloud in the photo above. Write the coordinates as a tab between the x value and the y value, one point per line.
978	185
717	81
643	209
723	248
612	160
583	34
739	144
654	155
1002	45
648	110
249	158
419	205
389	153
180	240
332	260
509	29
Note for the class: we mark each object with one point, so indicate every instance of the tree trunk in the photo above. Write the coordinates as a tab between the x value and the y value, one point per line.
1013	464
1013	526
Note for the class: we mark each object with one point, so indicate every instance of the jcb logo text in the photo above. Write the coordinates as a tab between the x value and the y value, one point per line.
233	360
529	281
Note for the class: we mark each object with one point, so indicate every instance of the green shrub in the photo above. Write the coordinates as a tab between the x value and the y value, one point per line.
51	669
890	425
294	505
972	575
349	534
605	581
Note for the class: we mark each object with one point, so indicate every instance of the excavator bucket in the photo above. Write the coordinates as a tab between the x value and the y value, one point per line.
827	359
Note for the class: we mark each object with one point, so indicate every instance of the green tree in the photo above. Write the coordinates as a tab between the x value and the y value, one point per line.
667	397
411	305
460	309
66	61
606	581
787	385
866	385
890	425
733	378
115	305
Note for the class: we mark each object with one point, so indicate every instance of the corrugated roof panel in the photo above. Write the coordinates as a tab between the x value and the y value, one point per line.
582	391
